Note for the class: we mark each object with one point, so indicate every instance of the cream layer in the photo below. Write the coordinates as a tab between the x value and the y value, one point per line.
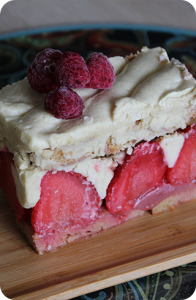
151	96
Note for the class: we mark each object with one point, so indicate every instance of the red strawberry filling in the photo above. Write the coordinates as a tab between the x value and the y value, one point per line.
144	180
184	170
68	200
155	196
141	172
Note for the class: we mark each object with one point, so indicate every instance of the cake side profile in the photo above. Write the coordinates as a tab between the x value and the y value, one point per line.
131	149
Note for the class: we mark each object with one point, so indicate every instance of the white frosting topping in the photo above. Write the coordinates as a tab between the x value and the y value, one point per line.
171	145
29	128
150	97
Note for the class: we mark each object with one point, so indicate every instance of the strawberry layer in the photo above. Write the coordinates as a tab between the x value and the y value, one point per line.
146	201
58	236
141	172
155	196
67	199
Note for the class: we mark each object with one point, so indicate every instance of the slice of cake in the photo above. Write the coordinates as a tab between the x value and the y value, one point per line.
86	146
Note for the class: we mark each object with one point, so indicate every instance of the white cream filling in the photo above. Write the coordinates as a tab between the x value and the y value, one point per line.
27	184
98	171
172	145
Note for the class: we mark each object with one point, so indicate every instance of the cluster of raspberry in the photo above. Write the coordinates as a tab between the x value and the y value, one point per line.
57	74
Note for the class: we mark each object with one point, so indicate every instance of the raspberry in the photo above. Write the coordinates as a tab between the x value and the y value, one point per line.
63	103
41	73
72	71
101	71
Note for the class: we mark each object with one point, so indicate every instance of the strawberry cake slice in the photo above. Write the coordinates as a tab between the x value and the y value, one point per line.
88	145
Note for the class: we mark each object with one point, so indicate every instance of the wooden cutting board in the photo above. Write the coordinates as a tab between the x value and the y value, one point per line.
137	248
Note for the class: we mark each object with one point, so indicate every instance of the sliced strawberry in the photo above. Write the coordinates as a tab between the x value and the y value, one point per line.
141	171
8	186
67	199
184	170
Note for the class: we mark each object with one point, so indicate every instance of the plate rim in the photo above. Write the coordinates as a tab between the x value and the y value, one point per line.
94	26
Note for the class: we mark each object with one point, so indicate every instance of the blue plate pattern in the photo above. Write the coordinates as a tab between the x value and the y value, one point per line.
18	50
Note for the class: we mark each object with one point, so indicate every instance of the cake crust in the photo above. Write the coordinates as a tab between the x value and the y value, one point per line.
52	241
175	200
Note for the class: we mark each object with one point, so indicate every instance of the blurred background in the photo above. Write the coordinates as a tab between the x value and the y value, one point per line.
113	27
23	14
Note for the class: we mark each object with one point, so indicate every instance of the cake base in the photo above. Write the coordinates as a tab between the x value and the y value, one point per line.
175	200
51	241
58	238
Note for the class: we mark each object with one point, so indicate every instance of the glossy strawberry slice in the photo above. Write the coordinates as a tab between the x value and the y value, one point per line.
184	170
8	186
67	199
141	171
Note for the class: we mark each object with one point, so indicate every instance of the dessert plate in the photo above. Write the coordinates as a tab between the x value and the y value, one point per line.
140	247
